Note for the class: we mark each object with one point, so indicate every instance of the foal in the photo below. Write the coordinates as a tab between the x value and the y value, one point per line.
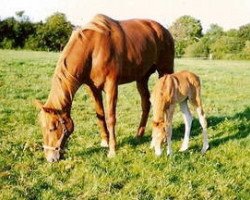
168	91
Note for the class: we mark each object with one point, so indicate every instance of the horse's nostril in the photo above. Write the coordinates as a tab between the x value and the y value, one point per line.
52	158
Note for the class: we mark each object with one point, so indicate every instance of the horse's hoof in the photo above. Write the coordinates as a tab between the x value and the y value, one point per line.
111	154
104	143
140	132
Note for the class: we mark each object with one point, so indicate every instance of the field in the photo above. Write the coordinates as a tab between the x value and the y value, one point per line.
135	173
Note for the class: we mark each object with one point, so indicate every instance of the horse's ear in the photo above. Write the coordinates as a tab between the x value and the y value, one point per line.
49	110
38	104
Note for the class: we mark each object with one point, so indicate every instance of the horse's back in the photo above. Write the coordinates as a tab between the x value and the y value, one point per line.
131	49
148	46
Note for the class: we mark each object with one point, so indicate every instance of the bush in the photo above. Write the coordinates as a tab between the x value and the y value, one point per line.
31	43
246	51
7	43
226	47
198	49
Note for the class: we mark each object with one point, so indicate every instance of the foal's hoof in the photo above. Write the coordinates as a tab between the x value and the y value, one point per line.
204	149
183	148
104	143
169	153
158	152
111	154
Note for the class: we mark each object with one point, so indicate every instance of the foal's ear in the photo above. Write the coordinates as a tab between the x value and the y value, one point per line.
38	104
49	110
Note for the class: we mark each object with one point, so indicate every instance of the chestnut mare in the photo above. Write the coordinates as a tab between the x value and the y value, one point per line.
102	55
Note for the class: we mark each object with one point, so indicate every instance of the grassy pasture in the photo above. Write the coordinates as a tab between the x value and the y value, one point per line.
135	173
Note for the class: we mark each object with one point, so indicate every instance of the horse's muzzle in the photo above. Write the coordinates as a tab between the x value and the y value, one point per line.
52	156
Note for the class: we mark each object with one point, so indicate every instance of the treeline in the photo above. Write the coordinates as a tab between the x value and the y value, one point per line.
20	33
214	44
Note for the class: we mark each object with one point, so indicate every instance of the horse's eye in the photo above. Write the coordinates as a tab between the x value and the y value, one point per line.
52	129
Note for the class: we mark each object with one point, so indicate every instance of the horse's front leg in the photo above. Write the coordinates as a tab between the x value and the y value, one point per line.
97	97
111	89
142	87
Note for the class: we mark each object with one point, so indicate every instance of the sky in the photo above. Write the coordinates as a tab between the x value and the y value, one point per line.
226	13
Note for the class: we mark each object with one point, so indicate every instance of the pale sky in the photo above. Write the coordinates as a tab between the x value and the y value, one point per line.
226	13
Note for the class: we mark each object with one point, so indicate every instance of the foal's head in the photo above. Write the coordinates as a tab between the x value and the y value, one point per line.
57	126
158	136
159	131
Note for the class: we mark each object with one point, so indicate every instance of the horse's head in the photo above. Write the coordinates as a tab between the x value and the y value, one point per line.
57	126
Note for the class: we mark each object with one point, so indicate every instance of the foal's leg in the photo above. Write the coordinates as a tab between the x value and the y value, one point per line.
203	123
188	122
111	89
142	87
169	119
196	101
97	96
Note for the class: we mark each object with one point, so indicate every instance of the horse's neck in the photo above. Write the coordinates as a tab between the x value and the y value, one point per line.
70	69
63	89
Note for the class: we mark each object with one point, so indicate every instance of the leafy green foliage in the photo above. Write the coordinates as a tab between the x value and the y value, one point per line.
226	45
54	34
198	49
135	173
218	44
185	31
21	33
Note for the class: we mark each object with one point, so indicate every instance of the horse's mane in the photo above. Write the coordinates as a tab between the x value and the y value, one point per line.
64	83
100	23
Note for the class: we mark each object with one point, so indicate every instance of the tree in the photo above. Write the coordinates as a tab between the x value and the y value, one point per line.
226	47
54	34
246	51
244	32
13	32
215	30
185	30
198	49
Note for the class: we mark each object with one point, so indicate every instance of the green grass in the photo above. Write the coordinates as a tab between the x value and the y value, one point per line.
135	173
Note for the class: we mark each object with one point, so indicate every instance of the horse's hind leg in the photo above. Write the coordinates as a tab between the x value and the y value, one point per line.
188	122
142	87
97	96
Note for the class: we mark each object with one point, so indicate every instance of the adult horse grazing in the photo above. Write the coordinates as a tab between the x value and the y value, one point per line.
102	55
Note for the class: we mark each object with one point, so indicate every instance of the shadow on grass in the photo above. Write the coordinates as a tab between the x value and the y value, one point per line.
92	150
134	141
243	129
178	133
213	121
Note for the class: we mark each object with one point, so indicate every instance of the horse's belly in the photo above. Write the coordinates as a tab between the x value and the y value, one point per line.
133	73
